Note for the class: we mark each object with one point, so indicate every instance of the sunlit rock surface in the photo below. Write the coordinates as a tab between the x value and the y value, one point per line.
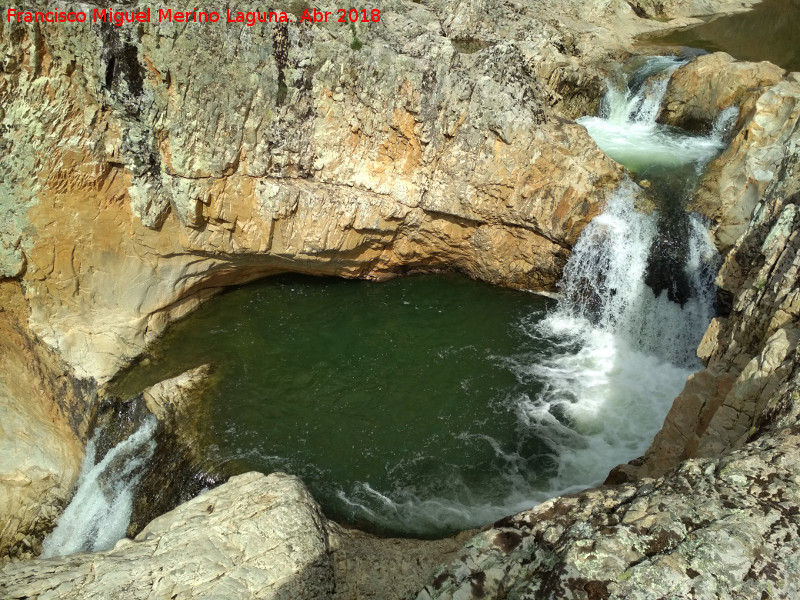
42	419
714	528
155	164
144	170
253	537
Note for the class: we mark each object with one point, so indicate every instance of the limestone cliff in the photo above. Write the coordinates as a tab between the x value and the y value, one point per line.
144	167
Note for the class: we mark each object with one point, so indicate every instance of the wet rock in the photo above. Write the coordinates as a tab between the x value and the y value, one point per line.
750	353
179	468
44	418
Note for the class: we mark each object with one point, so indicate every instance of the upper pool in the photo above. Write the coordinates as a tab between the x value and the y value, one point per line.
768	32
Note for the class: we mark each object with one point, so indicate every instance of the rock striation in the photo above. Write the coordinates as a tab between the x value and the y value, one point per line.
253	537
42	423
145	167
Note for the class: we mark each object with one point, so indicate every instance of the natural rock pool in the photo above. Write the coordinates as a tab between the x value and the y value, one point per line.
431	404
395	402
767	32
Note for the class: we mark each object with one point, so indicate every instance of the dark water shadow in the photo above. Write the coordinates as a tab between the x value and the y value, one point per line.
771	31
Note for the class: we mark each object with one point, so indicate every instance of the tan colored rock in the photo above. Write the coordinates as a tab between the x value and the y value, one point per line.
737	181
752	353
166	182
253	537
42	421
174	401
701	89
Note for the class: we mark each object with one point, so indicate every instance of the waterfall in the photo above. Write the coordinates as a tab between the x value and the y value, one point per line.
638	294
625	352
627	130
99	513
604	284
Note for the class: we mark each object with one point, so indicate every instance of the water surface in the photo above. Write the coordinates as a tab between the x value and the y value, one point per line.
391	401
768	32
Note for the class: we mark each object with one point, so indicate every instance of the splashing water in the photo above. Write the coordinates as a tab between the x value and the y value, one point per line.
626	128
626	352
99	513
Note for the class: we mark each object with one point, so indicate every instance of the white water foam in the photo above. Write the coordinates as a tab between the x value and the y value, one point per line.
627	131
627	352
99	513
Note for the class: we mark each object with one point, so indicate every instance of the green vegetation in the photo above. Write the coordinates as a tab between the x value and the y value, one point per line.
355	43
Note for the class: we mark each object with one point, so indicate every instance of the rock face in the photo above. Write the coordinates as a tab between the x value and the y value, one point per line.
187	158
743	175
253	537
701	89
42	422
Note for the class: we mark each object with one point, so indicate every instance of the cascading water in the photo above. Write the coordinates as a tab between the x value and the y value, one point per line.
638	293
99	513
625	352
627	130
401	419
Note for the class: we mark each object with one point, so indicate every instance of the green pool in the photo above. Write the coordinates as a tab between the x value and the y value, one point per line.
397	403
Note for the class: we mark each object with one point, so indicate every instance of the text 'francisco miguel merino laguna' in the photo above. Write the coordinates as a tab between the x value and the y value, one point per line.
119	18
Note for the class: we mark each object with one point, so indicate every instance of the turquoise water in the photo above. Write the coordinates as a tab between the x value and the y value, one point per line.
395	402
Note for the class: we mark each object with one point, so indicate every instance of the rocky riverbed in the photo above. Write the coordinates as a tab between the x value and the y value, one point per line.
144	168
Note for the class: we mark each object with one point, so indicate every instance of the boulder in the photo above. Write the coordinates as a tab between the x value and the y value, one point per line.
700	90
256	536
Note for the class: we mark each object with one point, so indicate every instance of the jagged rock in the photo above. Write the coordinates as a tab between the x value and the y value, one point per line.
752	352
253	537
763	151
701	89
713	528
